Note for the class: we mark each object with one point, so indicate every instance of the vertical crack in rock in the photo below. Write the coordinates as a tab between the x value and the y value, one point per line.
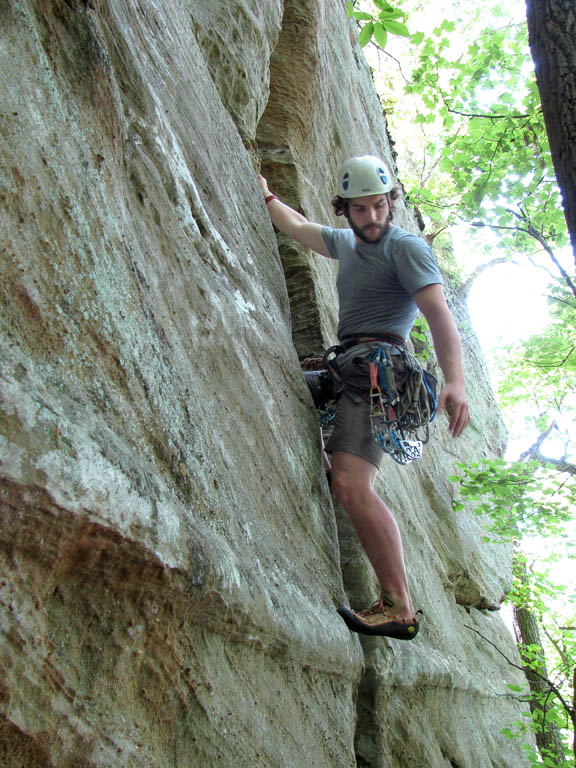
285	139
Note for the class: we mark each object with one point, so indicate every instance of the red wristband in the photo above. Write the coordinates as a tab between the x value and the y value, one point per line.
270	197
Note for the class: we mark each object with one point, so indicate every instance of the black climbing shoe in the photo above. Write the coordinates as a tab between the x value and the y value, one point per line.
375	621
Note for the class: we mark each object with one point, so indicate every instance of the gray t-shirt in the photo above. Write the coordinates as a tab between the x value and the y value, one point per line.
376	281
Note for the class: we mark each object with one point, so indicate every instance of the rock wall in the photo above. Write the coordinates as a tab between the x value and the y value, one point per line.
170	558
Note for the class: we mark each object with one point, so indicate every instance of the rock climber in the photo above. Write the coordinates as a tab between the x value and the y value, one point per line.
385	276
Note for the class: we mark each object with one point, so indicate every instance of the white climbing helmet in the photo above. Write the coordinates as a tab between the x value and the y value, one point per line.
362	176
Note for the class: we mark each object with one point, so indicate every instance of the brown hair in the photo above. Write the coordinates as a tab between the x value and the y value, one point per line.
340	204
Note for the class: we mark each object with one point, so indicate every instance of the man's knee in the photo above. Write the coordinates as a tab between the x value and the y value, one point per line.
338	486
347	488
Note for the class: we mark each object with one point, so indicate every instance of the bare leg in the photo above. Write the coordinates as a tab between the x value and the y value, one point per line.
352	484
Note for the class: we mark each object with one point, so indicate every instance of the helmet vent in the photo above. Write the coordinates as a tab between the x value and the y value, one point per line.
362	176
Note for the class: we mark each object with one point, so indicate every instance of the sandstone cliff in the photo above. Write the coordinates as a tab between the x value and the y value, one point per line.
170	558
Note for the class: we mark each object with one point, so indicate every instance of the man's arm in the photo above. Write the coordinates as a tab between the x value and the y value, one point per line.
432	304
293	224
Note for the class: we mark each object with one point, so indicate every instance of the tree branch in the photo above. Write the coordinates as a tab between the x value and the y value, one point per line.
559	464
486	117
535	453
541	239
480	224
467	285
541	437
529	229
560	364
479	115
562	301
555	690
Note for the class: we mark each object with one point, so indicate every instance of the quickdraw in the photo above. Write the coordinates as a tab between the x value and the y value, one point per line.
327	414
397	418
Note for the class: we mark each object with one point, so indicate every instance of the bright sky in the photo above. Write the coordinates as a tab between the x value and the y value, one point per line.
506	304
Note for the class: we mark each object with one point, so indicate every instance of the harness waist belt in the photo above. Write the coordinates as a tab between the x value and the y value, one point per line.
388	338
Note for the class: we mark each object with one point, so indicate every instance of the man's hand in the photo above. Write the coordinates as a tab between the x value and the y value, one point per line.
453	398
432	303
312	364
263	185
292	223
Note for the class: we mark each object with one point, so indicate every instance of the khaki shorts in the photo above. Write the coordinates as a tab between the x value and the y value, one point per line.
353	428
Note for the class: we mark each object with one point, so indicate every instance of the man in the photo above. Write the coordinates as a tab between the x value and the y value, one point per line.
385	276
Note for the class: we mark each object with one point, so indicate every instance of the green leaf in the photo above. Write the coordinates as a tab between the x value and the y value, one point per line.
417	38
366	34
350	9
396	28
380	35
391	13
506	98
361	16
429	101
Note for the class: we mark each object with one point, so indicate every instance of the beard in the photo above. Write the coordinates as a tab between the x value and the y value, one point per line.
378	229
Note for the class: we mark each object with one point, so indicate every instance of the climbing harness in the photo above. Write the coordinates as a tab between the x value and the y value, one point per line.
321	388
400	415
401	394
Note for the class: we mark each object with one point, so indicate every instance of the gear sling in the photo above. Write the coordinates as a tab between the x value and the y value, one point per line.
401	394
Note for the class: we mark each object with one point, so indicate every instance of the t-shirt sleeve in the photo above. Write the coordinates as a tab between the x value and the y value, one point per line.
334	237
416	264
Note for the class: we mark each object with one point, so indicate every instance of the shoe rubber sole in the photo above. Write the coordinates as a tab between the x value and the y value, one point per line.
398	630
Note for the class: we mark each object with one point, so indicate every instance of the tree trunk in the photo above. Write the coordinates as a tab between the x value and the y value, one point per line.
528	633
552	31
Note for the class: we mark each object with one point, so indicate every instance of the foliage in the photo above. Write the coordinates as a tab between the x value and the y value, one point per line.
469	124
494	146
517	499
536	382
380	21
551	695
522	502
421	339
548	358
